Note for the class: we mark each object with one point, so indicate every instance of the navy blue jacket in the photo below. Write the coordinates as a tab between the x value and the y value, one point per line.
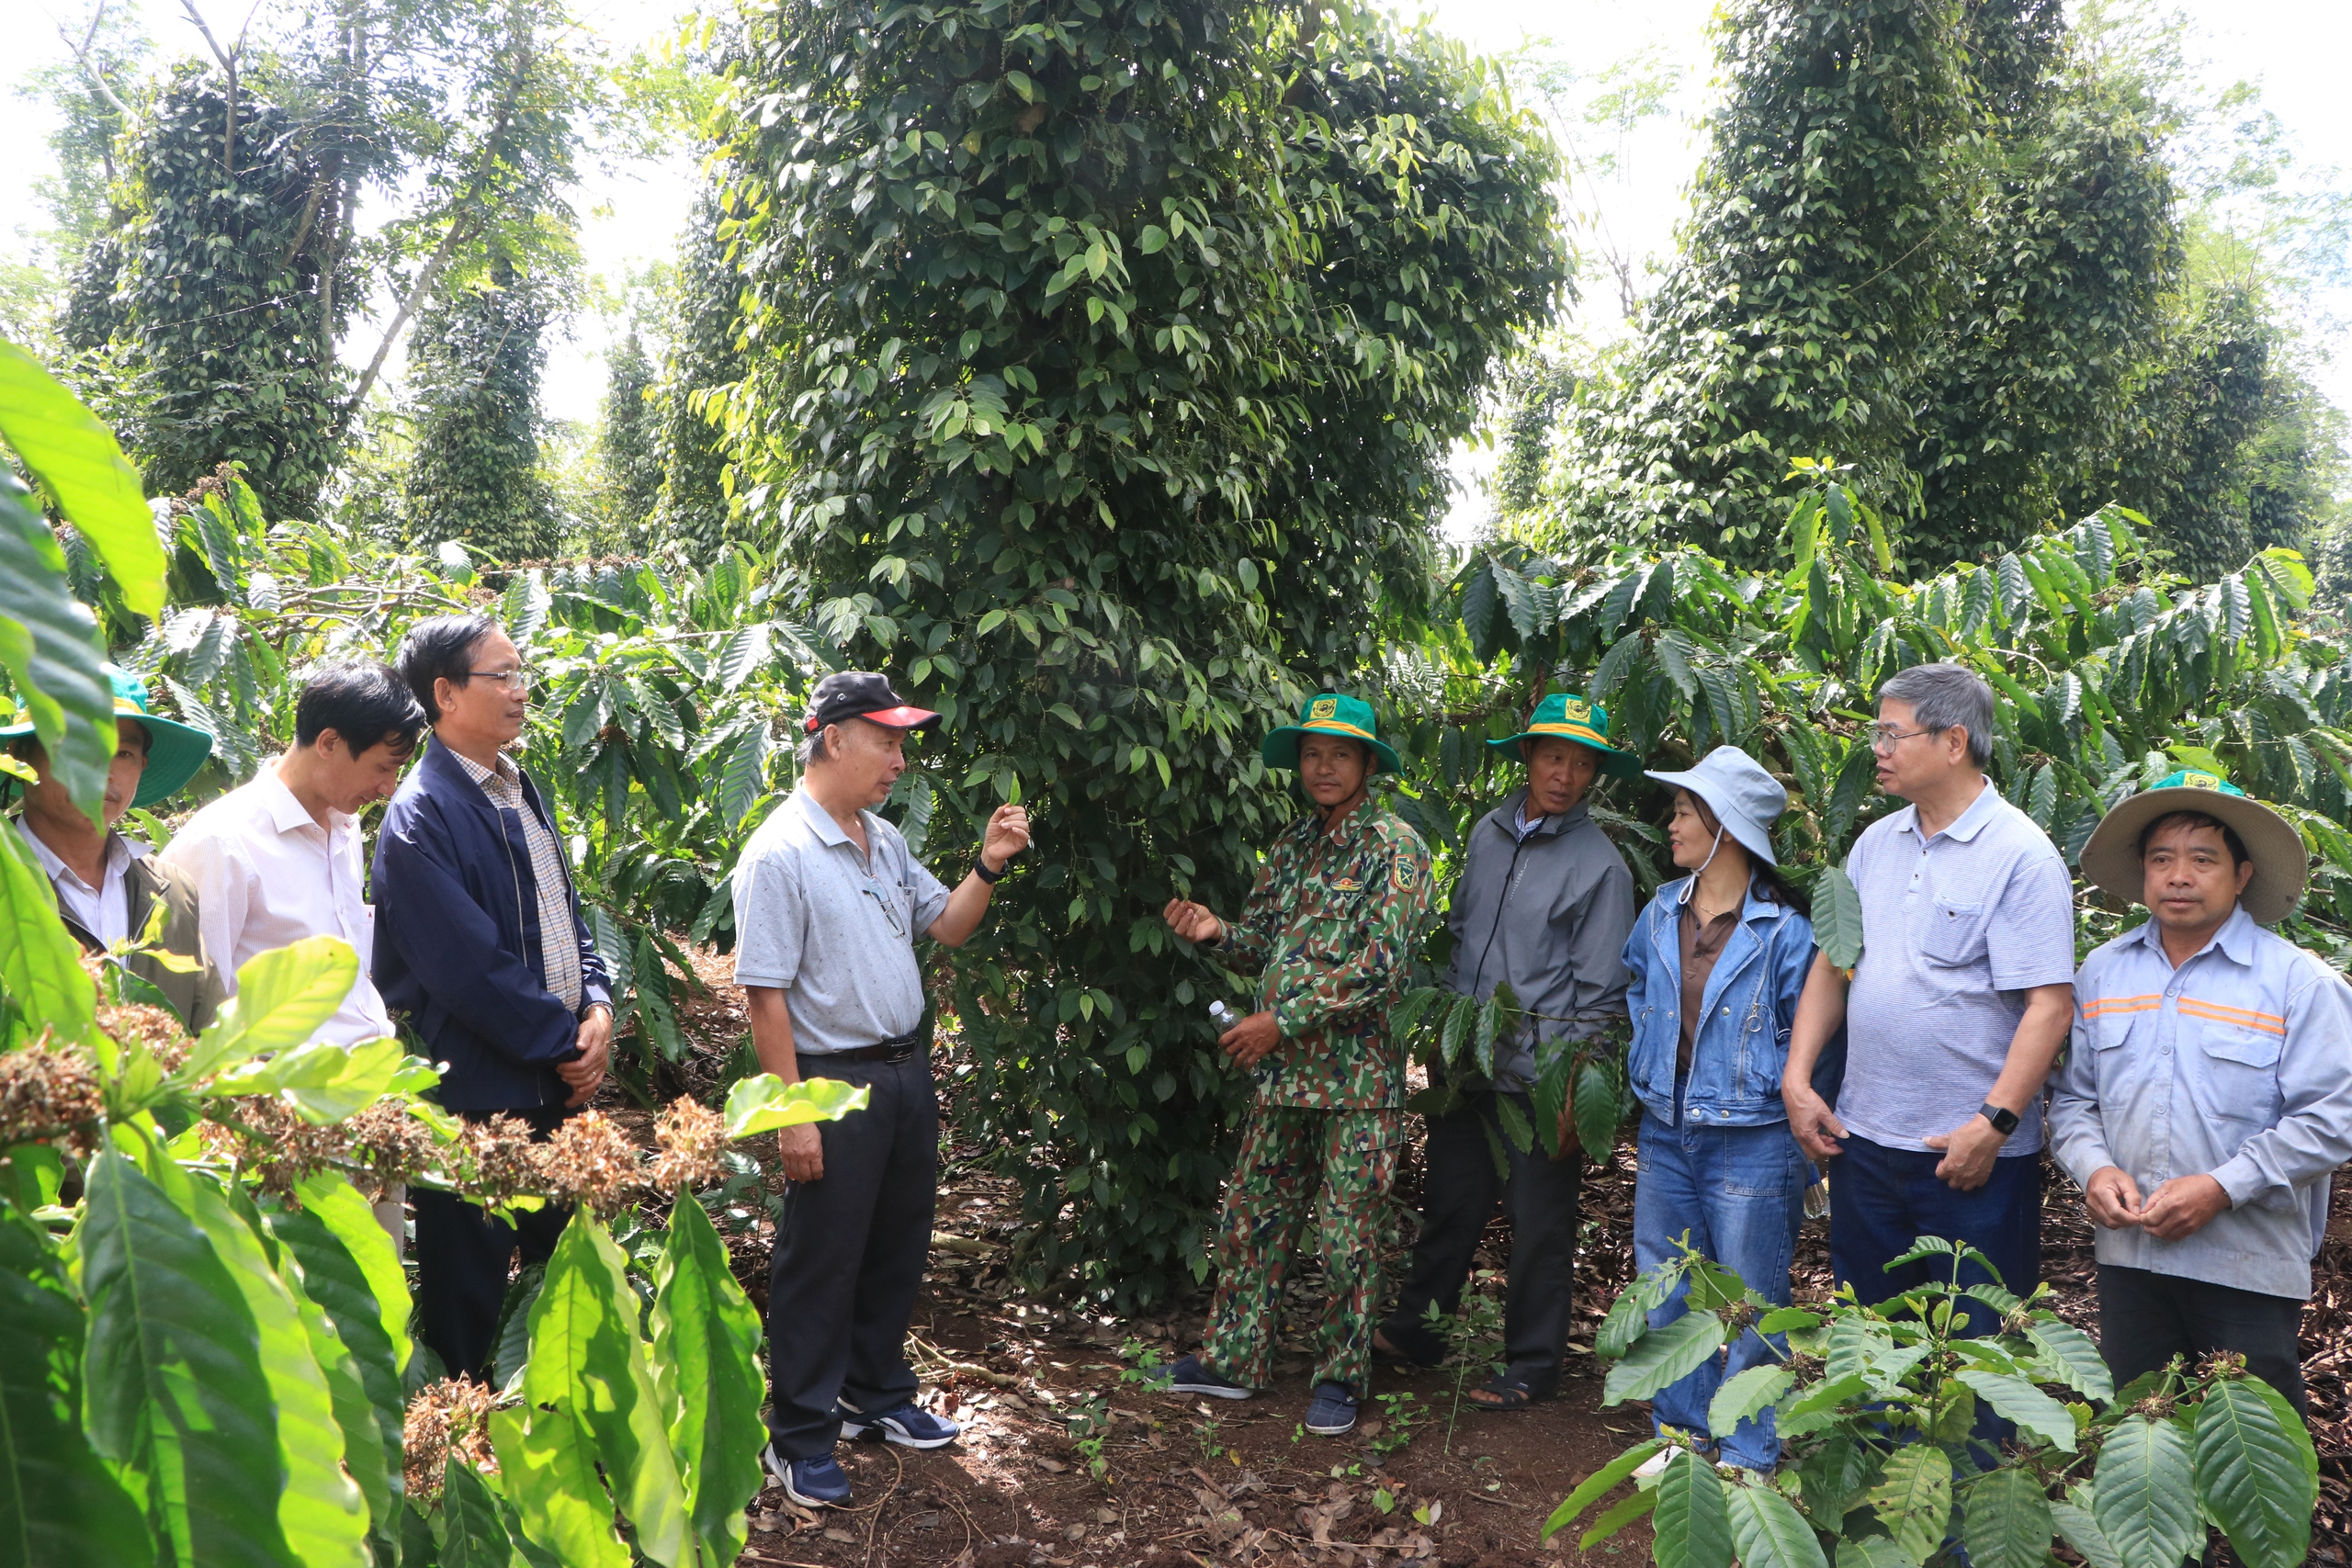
458	940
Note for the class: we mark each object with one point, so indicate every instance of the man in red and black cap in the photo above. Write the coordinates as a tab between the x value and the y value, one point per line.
828	901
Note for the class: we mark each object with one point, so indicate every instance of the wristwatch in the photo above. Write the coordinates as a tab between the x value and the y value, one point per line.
2004	1122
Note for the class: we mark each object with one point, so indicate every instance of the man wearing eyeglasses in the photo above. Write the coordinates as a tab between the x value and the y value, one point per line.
480	944
828	902
1961	1003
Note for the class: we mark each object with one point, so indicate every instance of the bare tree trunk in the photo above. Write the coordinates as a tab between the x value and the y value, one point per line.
429	275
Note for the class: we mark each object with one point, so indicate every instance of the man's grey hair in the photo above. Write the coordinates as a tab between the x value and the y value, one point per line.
1941	695
810	748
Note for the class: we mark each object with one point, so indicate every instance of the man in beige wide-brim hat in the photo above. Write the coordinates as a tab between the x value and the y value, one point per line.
2210	1069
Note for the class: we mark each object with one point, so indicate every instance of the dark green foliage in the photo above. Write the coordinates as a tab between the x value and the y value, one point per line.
1800	315
632	467
475	476
693	506
241	368
2059	266
1100	395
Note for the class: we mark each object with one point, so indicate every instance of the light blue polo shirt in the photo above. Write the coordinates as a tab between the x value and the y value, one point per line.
1955	930
833	928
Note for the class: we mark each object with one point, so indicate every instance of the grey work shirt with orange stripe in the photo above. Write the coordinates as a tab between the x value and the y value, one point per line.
2237	1065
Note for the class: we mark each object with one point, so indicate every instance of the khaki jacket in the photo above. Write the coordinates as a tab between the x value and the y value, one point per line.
195	996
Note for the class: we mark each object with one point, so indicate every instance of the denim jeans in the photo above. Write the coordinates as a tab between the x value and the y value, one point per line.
1739	1194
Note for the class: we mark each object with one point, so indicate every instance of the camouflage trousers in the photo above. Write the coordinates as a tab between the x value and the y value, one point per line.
1292	1160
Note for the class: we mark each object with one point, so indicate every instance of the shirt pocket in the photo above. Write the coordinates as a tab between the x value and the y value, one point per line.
1954	937
2241	1072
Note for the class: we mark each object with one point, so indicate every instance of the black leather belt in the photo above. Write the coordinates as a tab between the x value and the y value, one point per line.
894	1050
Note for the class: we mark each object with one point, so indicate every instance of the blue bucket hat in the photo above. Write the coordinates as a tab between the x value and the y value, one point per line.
174	750
1743	796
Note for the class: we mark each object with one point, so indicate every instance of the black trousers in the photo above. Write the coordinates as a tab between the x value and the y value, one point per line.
1459	1191
463	1257
2145	1320
850	1255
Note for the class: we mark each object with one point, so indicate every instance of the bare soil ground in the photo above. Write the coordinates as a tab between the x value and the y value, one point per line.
1187	1483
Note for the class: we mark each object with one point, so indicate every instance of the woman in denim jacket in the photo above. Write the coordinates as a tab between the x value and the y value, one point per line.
1718	959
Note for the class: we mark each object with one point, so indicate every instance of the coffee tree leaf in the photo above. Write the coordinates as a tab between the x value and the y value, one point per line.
2080	1530
321	1507
1837	918
2007	1521
1663	1357
707	1365
65	1508
2257	1472
588	1366
764	1103
2068	1356
1913	1499
1769	1532
1598	1110
1691	1526
173	1386
2018	1401
50	648
78	461
2146	1501
41	964
474	1531
1624	1512
548	1465
283	996
1741	1397
1872	1551
330	1201
1593	1487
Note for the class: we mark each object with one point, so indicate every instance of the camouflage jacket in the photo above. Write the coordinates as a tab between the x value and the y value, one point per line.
1332	921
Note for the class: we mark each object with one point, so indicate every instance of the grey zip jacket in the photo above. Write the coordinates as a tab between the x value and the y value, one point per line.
1550	915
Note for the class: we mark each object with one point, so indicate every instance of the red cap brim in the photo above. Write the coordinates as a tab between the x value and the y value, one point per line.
901	717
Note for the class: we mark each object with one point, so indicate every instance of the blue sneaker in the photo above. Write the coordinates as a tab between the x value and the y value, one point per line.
1332	1411
811	1482
901	1424
1191	1375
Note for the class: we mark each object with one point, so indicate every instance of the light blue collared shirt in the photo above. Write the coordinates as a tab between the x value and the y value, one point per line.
2237	1065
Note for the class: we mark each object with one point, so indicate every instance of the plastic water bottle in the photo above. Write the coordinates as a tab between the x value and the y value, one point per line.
1222	1016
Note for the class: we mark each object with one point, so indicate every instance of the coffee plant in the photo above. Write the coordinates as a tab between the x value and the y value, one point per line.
1875	1408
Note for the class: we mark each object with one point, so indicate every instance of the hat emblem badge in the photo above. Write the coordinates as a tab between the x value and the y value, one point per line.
1578	710
1324	707
2200	781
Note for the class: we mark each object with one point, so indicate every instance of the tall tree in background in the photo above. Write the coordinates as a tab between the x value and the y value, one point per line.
699	370
625	446
1102	356
216	297
2062	251
1809	284
475	475
216	292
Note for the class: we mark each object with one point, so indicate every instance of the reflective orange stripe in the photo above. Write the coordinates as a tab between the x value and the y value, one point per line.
2102	1006
2267	1022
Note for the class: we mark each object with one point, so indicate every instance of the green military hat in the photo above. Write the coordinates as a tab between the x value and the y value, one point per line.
2111	858
1328	713
1563	715
174	750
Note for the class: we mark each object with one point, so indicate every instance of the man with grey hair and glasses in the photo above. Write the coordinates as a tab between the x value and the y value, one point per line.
1961	1002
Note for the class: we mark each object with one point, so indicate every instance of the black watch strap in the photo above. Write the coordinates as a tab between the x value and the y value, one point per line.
2004	1122
981	869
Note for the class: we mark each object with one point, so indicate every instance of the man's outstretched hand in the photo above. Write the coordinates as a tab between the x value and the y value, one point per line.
1007	835
1193	922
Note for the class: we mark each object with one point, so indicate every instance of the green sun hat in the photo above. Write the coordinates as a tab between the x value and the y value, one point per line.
1563	715
1328	713
2281	864
174	750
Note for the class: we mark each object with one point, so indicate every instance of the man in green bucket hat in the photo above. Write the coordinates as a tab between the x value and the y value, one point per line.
108	889
1332	921
2206	1097
1543	904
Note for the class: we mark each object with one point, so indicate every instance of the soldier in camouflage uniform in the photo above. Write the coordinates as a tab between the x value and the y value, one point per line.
1338	905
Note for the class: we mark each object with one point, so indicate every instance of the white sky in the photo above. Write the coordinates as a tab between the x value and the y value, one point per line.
2295	49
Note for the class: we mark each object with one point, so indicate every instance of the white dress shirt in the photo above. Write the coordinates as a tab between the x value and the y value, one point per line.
266	875
102	911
